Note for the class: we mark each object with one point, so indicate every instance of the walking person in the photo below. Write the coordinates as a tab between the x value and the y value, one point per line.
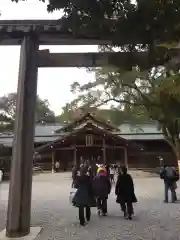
125	193
74	174
112	172
108	170
170	176
1	175
1	178
84	198
101	189
175	183
57	166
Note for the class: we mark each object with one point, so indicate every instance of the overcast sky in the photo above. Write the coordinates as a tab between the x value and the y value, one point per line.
53	83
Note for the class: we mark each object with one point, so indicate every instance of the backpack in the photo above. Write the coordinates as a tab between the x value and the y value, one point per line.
170	172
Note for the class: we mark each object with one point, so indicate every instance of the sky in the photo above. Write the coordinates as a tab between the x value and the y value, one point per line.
53	83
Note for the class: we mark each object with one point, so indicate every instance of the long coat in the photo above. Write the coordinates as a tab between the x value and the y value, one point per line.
101	186
84	195
74	173
125	189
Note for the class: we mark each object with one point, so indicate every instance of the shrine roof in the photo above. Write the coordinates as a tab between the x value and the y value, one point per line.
47	129
84	119
88	127
47	132
139	137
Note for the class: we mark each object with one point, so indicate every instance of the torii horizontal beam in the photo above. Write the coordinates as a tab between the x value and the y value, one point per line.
53	32
48	32
125	60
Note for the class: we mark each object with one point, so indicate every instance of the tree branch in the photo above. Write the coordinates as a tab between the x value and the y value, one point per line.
135	87
119	101
126	102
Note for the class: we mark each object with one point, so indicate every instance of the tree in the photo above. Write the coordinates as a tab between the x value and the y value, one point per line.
113	114
66	114
149	21
8	109
43	112
8	105
153	94
6	123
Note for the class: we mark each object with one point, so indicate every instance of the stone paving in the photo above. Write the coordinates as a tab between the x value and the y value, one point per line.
51	211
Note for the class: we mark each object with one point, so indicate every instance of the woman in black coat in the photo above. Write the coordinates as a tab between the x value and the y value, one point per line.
125	193
84	198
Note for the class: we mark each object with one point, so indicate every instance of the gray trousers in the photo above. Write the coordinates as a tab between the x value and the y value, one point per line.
170	187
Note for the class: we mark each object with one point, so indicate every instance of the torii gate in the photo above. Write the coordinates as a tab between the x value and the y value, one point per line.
30	34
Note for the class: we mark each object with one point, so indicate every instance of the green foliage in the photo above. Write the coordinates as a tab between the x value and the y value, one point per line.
114	115
126	23
43	112
139	95
122	21
8	127
66	114
8	110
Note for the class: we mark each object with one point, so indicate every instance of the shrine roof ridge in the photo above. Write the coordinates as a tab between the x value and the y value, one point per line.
49	32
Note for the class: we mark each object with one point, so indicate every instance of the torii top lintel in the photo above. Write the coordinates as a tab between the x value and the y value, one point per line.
48	32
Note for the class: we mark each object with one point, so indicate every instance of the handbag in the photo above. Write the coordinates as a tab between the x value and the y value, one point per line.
1	176
71	195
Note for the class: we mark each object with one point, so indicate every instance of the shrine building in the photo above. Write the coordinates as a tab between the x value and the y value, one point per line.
89	138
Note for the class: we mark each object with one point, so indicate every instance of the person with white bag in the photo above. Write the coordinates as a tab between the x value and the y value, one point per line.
1	175
83	198
73	187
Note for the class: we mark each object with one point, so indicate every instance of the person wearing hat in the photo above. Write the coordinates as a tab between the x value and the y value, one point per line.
102	170
101	189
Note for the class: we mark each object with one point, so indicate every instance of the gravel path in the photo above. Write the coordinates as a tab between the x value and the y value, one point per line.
51	210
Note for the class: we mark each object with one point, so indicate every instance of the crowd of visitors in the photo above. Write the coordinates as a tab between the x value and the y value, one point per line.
93	187
94	184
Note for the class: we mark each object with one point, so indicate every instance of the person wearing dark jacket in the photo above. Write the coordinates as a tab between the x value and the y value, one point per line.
170	176
108	170
125	193
83	198
101	189
74	174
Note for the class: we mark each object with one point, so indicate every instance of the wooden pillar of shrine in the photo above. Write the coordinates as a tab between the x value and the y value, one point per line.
19	204
104	151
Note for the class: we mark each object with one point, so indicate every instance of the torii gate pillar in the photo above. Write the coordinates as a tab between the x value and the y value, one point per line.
19	205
